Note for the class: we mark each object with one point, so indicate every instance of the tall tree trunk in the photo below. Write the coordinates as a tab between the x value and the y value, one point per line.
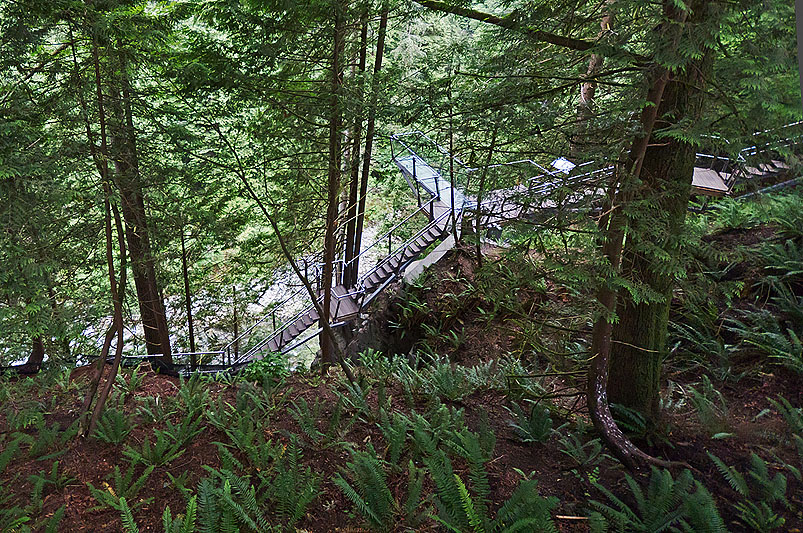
481	191
351	222
588	89
639	338
369	140
127	180
333	181
117	292
614	229
102	165
187	300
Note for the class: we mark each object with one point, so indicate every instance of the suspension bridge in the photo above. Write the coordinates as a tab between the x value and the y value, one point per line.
441	183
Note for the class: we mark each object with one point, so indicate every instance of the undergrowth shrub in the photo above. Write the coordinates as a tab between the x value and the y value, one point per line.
762	493
272	365
126	486
370	494
681	504
533	425
113	427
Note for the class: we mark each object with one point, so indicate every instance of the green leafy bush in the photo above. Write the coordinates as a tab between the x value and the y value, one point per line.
272	365
113	427
535	426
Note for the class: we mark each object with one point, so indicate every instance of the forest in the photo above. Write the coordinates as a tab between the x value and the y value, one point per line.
400	265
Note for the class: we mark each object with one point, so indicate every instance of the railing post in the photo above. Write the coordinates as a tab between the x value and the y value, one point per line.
437	187
389	245
418	193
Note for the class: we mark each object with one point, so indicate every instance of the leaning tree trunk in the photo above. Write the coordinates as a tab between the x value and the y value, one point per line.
349	279
640	337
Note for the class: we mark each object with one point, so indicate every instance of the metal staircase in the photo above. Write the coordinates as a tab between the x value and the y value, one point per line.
422	163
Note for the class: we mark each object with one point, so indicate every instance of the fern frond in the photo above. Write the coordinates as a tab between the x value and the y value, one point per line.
733	477
128	519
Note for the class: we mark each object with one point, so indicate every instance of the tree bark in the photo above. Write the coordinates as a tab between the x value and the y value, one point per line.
639	338
369	141
588	89
188	300
481	191
35	359
614	230
127	180
333	181
349	280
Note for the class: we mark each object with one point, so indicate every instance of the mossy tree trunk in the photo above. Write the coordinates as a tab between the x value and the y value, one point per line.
652	254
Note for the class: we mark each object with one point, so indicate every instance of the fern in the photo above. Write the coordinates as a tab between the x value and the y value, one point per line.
113	426
123	486
759	517
526	510
661	507
52	525
128	519
700	512
792	415
731	475
370	493
159	453
294	487
394	429
181	524
533	427
233	504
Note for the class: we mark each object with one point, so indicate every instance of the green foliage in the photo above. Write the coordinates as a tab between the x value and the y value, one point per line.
448	381
370	494
394	429
584	455
667	503
155	409
183	432
164	450
127	387
793	416
763	331
461	508
182	523
113	427
760	484
57	479
273	366
128	519
535	426
122	486
194	395
711	409
294	487
228	502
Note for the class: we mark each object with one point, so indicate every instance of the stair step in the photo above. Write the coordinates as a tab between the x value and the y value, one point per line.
273	345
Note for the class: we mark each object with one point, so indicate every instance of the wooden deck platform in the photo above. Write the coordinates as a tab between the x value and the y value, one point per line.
710	182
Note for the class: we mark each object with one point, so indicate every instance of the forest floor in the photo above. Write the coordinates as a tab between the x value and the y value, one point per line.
338	421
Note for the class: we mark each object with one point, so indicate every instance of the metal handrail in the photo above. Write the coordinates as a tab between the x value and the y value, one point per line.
403	246
266	317
394	228
441	149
